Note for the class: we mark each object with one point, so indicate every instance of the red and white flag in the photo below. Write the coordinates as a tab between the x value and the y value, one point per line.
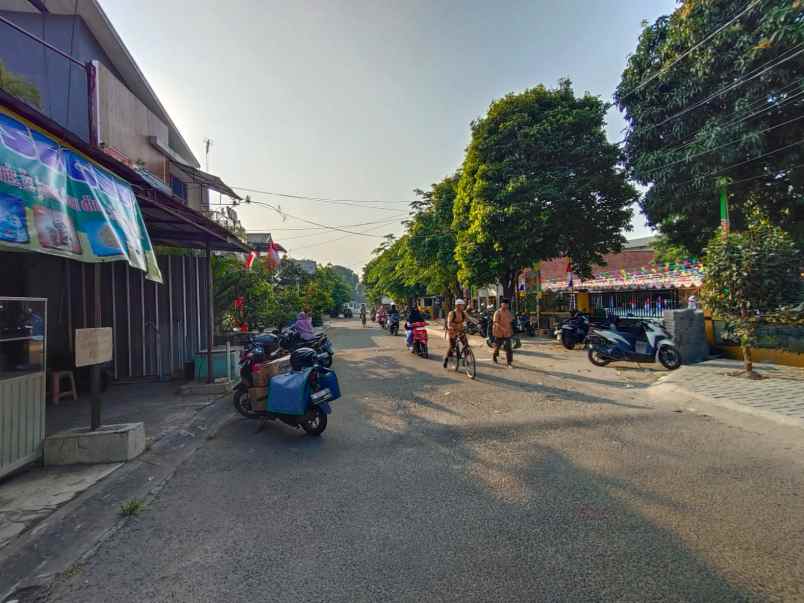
569	274
250	259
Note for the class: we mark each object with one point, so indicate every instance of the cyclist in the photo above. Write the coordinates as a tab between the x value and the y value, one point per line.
455	327
363	314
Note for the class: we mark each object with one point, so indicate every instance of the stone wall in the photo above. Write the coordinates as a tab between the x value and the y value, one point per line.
686	327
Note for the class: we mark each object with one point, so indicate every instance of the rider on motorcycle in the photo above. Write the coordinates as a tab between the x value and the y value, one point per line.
413	316
304	326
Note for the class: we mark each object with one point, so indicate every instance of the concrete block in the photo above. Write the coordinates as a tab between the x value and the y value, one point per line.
108	444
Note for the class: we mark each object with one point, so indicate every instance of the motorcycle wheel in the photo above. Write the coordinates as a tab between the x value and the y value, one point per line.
242	404
596	358
425	351
670	357
517	343
328	362
567	340
315	422
490	342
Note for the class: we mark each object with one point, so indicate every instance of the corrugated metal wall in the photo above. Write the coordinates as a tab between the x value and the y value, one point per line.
22	420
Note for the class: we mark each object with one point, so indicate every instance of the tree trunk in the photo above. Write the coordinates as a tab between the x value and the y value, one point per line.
508	283
749	365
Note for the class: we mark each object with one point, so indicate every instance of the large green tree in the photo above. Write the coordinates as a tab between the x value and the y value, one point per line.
750	275
731	108
387	273
539	181
430	258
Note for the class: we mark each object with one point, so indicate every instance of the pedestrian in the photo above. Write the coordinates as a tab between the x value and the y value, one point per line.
503	330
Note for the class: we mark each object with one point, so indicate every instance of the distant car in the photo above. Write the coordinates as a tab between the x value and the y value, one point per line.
347	312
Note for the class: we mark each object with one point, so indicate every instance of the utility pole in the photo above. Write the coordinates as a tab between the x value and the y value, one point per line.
722	184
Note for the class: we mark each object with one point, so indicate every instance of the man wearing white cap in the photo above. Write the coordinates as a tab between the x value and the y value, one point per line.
455	327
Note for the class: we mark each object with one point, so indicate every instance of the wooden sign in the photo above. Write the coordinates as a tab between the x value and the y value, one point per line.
93	346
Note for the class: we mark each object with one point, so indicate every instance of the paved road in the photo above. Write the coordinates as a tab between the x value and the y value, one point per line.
553	481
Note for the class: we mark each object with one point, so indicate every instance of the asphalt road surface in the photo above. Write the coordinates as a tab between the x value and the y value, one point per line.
552	481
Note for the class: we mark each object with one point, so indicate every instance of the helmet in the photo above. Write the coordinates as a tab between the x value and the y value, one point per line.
303	358
460	302
268	341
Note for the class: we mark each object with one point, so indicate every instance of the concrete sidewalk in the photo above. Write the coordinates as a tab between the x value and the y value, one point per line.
778	397
28	497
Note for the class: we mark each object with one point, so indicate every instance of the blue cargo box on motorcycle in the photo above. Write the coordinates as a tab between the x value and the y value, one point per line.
289	393
328	379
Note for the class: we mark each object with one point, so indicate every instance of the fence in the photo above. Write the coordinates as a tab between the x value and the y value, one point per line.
642	304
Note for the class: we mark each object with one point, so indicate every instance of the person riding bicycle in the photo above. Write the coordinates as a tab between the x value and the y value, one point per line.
363	314
455	327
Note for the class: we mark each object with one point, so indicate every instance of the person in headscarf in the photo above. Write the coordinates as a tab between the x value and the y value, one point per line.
304	325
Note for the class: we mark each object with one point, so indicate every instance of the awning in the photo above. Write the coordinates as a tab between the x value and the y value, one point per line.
212	182
172	223
688	277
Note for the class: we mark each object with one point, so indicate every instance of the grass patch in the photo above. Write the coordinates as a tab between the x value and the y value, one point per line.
132	507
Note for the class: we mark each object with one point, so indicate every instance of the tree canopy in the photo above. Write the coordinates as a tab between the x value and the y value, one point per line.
539	181
732	108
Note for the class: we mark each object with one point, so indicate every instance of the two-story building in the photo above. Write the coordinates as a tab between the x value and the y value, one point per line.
92	119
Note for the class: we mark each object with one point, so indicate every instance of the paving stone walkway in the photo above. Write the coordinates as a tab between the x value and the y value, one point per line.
780	394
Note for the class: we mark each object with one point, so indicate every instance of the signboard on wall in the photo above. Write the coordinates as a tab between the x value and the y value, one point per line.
93	346
55	200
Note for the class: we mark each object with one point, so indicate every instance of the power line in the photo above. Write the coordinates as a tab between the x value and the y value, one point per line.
358	202
727	88
663	69
720	146
282	212
734	165
786	172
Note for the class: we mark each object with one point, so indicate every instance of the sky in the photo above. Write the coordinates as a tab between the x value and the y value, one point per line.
361	100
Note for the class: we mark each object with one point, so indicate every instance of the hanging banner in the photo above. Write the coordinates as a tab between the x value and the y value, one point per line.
55	200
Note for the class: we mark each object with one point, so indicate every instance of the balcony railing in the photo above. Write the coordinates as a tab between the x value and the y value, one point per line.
45	77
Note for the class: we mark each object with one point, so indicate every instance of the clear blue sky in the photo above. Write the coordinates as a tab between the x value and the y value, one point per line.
361	99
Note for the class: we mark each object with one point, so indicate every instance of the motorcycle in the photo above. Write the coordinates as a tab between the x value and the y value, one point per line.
573	330
420	339
393	324
299	398
646	341
522	324
290	340
382	320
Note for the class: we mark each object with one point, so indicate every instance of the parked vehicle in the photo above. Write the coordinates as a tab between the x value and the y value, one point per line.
393	324
573	330
420	339
299	398
290	340
522	324
347	311
643	341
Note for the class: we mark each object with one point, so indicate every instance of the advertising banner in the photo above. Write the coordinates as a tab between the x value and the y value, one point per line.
57	201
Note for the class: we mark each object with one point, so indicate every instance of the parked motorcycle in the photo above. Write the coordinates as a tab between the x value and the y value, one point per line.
393	324
300	398
573	330
522	324
645	341
290	339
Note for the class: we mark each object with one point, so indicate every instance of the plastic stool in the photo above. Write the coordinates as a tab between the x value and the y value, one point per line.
56	378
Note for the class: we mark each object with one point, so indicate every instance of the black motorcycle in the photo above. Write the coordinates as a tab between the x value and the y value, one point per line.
573	330
321	388
643	341
393	324
290	340
522	325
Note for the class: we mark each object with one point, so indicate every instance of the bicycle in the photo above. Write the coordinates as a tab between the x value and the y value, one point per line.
465	356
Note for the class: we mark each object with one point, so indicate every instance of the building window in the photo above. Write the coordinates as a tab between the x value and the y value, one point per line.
179	188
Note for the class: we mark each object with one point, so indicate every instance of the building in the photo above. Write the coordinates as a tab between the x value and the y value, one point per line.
95	125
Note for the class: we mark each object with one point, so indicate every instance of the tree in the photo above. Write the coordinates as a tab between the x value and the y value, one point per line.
385	272
750	275
19	87
329	279
539	181
732	108
261	306
430	255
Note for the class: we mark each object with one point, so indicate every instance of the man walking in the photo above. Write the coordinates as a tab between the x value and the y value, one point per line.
503	330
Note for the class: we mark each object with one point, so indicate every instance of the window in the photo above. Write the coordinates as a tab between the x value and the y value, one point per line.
179	188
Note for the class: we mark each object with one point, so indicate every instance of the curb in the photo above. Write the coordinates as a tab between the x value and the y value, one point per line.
72	533
672	392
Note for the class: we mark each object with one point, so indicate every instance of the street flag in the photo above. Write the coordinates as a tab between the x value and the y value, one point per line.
569	274
250	259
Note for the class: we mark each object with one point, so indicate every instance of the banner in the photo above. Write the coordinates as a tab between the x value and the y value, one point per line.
55	200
